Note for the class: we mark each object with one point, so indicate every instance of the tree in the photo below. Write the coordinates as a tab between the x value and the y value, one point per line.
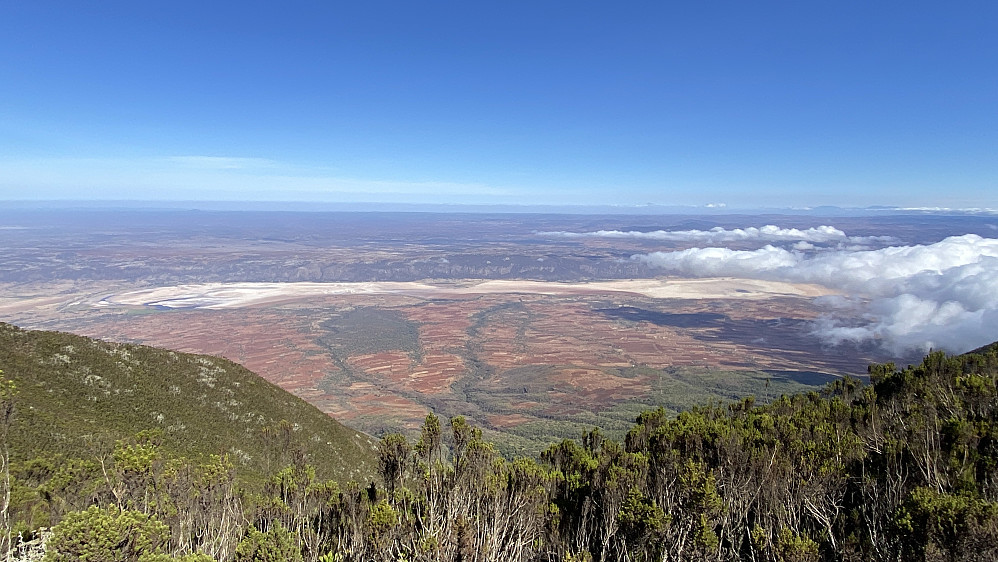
8	390
393	459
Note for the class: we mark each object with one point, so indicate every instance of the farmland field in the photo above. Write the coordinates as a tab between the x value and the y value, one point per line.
379	320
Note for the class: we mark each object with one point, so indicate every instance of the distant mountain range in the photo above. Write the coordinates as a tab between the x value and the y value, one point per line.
642	209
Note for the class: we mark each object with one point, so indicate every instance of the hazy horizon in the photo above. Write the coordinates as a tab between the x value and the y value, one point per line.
584	209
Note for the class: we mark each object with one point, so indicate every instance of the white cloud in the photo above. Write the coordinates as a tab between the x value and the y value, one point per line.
769	233
967	210
723	262
940	295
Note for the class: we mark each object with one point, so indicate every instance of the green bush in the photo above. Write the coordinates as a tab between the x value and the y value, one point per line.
107	535
276	545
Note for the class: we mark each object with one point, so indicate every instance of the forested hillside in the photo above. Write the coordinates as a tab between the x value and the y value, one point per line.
77	396
905	468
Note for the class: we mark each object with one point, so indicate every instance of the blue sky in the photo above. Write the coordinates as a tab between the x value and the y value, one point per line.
673	103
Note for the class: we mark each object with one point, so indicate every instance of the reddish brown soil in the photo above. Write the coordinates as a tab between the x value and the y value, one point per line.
573	348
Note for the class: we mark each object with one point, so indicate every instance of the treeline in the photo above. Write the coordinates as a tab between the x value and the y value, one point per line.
905	468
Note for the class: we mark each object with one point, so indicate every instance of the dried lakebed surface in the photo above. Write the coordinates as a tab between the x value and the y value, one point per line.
233	295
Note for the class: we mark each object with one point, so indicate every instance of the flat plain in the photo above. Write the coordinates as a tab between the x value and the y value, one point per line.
380	318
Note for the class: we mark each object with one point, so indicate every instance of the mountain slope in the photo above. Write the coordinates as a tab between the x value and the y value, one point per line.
75	393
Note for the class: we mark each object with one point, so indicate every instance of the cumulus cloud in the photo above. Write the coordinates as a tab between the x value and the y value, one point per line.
718	235
723	262
940	295
908	321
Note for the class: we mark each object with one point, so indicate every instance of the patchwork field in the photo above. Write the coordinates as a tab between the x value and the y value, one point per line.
533	361
536	327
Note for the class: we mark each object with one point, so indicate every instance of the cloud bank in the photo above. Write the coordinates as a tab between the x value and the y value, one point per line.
769	233
937	296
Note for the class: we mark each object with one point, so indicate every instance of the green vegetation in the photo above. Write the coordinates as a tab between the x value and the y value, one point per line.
364	330
77	397
675	389
106	534
905	468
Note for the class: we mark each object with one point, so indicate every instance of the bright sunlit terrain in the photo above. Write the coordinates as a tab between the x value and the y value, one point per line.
586	192
498	281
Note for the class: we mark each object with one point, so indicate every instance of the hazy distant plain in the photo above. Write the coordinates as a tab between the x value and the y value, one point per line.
536	326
